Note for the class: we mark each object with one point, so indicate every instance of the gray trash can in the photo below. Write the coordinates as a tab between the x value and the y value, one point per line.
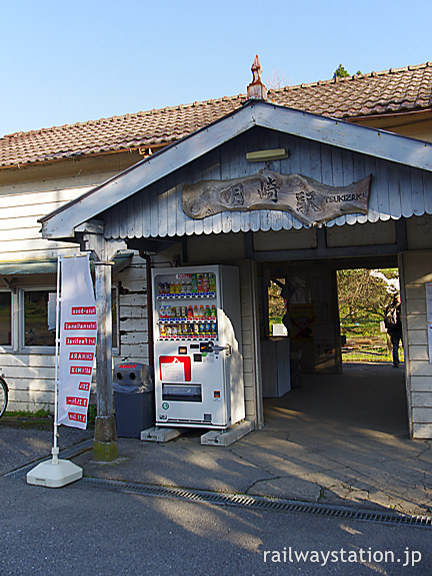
134	399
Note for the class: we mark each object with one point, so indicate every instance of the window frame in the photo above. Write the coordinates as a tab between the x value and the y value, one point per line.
8	348
22	346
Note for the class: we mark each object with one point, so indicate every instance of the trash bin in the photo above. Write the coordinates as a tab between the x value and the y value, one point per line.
134	399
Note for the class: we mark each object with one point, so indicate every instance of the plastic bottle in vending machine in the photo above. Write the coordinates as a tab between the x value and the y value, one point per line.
161	287
190	312
162	330
213	329
194	284
207	312
212	282
195	312
201	312
213	312
200	284
205	282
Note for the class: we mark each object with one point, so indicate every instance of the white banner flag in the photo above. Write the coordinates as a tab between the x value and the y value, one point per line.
78	332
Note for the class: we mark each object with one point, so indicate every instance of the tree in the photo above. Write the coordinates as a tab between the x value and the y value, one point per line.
365	293
340	72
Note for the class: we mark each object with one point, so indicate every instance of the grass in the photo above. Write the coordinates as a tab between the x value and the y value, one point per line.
364	341
42	413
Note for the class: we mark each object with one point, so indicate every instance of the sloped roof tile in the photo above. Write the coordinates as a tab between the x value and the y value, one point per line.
395	90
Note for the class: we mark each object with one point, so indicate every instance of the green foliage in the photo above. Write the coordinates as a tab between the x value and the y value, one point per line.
276	303
340	72
363	296
41	413
91	415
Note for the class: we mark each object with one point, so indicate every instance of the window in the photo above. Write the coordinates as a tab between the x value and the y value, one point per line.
35	317
36	332
5	319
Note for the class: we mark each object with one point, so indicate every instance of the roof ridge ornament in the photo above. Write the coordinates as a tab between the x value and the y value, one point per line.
256	89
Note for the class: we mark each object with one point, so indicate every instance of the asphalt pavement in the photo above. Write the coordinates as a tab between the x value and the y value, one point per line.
81	530
341	444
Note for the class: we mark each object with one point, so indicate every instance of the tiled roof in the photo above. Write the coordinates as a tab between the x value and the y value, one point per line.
394	90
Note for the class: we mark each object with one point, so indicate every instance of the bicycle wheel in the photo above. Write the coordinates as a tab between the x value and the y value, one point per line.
3	396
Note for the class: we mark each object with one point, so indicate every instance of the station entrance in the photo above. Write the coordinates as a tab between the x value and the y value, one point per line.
325	354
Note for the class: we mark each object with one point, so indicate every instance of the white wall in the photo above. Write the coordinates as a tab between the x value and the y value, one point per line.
416	270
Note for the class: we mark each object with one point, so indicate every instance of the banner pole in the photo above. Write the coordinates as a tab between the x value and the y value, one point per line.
55	450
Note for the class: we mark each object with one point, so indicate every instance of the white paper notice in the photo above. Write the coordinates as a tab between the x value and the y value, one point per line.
429	317
173	371
429	302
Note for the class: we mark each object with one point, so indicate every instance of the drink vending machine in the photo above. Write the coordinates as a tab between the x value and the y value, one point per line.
198	352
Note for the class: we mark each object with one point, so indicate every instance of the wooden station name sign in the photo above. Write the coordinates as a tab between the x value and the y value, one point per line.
309	201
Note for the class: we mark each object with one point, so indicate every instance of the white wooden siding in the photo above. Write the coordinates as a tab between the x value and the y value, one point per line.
20	237
417	270
396	190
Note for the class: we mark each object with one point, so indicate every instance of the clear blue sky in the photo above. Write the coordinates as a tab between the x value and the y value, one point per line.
73	61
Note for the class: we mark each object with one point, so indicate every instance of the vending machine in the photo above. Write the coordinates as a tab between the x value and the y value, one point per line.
198	352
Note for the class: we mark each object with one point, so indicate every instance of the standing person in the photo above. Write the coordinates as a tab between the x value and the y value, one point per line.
393	324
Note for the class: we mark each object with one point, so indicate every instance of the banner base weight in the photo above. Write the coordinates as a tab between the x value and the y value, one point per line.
54	473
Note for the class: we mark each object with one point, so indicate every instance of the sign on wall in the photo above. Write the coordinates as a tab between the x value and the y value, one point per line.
308	200
78	332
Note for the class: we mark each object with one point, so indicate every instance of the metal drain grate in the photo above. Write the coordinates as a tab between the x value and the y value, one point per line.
226	499
259	502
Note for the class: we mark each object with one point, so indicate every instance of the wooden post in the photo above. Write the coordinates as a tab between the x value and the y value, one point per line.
104	446
105	435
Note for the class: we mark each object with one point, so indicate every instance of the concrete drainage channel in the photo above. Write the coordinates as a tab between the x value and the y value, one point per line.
238	500
259	502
